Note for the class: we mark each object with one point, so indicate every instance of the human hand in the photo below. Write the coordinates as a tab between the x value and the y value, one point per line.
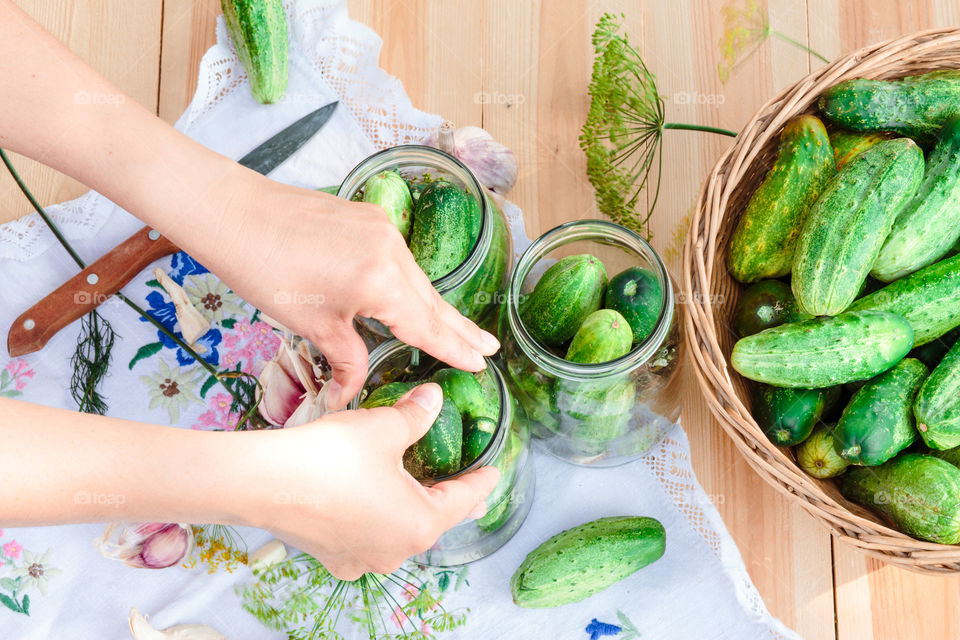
340	491
313	262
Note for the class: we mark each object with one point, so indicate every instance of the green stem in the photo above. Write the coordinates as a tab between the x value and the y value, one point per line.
786	38
698	127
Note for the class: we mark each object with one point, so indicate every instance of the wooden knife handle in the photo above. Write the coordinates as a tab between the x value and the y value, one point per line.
86	291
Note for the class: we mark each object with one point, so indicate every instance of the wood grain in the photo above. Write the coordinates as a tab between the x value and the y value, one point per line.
521	70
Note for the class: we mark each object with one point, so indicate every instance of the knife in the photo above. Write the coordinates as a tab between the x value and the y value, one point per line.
91	287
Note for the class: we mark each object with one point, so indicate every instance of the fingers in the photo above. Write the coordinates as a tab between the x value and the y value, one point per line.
418	409
457	499
347	355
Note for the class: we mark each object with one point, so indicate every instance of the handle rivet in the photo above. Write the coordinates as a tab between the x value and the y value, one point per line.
93	278
153	234
29	324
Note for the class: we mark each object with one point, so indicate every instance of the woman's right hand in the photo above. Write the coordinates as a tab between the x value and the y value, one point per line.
336	488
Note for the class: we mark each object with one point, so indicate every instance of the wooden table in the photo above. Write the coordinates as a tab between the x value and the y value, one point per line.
520	69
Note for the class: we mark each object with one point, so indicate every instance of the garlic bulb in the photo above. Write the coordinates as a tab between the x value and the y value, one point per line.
494	164
140	629
292	386
266	556
193	324
151	545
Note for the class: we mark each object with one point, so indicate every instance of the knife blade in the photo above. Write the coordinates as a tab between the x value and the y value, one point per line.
101	279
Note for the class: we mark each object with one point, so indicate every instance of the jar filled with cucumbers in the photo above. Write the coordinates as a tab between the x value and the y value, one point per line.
477	427
456	232
590	343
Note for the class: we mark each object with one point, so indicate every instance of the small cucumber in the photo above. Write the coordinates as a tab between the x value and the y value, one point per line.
438	452
443	228
764	240
931	353
937	406
579	562
847	225
569	291
388	190
477	434
929	299
637	295
825	351
915	106
465	391
765	304
878	423
787	416
502	498
595	413
387	395
817	455
605	335
258	29
919	493
928	226
849	144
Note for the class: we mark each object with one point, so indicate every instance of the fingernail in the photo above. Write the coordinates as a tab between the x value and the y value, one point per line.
334	389
490	342
478	511
428	396
479	362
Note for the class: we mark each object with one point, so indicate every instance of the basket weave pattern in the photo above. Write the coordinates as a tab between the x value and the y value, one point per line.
712	294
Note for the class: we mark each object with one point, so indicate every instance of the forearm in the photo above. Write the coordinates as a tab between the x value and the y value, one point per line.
60	467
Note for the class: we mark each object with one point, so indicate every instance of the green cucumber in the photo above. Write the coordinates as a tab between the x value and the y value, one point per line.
849	144
595	413
605	335
438	452
443	230
915	106
388	190
919	493
502	497
937	406
847	225
387	395
950	455
491	392
258	29
825	351
533	390
928	226
764	240
817	455
465	391
765	304
787	416
878	422
477	434
929	299
637	295
569	291
579	562
931	353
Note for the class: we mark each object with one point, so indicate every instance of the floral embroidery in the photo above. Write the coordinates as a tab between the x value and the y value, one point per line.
597	629
14	377
212	298
164	312
173	389
182	265
12	549
33	572
219	415
206	346
248	344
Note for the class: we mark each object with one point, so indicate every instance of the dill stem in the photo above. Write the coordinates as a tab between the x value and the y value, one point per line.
699	127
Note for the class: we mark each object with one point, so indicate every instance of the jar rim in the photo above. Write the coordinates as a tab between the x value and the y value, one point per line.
392	347
373	163
610	233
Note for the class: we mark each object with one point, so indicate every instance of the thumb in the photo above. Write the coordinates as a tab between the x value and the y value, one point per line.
418	409
344	350
455	500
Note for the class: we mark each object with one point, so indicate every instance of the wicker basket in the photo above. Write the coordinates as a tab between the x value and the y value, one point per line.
712	294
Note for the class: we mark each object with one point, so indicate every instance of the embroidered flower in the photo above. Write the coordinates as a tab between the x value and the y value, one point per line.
206	346
598	629
218	416
182	265
248	343
13	378
173	389
12	549
211	297
161	309
35	571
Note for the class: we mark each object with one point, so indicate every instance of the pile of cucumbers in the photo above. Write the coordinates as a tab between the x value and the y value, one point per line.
850	322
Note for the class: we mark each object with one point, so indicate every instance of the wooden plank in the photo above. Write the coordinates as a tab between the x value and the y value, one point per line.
189	29
118	38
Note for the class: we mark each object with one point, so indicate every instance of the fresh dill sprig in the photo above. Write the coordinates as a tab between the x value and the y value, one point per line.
91	362
623	132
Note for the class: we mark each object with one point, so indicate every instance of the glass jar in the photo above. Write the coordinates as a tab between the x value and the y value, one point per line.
477	285
592	414
508	450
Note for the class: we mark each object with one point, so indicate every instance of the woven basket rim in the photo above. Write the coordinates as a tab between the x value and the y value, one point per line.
714	377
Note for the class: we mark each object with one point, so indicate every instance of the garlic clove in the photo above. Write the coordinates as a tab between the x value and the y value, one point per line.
280	395
140	629
494	164
151	545
266	556
311	407
193	324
